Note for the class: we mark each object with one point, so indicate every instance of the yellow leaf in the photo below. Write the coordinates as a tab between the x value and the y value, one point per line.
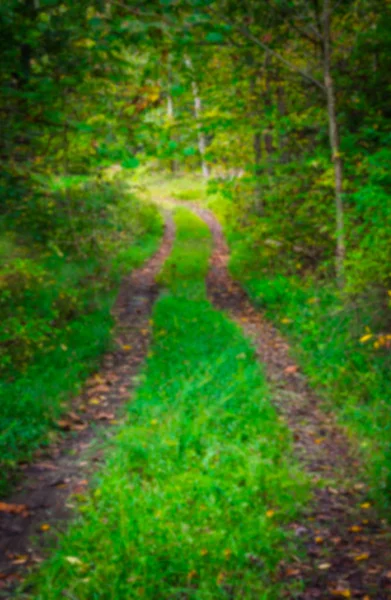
365	505
341	593
269	513
363	556
126	347
220	578
45	527
366	337
204	552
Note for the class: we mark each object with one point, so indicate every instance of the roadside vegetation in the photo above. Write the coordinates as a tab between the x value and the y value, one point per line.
55	302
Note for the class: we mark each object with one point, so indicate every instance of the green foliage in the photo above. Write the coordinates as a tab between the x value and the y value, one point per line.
55	312
332	341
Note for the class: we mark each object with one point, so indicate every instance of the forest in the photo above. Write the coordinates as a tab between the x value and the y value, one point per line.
195	299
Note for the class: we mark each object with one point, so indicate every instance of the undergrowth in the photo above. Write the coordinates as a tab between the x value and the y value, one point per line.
55	310
200	483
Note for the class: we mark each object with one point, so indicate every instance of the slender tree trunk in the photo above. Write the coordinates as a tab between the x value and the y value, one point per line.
282	110
170	115
254	115
198	117
268	136
334	143
257	145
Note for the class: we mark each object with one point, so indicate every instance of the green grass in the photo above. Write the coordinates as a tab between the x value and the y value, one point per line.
185	270
57	321
199	482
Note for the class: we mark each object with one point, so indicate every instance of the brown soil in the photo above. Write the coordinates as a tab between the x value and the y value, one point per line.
44	497
347	546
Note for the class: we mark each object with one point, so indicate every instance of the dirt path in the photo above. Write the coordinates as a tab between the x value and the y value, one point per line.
44	497
348	546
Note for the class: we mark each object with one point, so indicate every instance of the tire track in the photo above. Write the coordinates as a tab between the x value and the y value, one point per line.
43	500
347	545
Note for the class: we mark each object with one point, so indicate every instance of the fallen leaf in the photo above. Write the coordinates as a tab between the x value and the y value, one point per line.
75	417
94	401
105	416
73	560
63	424
15	509
291	369
363	556
318	539
324	566
80	427
20	560
45	527
355	528
341	593
220	578
365	505
98	389
269	513
336	540
292	572
366	337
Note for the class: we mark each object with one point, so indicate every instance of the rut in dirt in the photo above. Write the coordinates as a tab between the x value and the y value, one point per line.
347	545
43	499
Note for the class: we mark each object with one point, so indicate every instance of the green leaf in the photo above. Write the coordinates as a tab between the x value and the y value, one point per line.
130	163
214	37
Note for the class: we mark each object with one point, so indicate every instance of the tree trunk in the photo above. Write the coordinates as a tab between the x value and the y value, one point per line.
282	110
198	116
170	115
268	135
334	143
257	145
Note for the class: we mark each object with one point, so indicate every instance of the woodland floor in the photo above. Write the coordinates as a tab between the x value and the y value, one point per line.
347	546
